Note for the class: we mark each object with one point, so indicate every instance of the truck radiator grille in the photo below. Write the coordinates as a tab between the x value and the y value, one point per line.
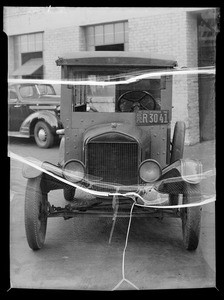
113	162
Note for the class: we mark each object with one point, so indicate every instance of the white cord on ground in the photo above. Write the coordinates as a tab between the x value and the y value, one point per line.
123	256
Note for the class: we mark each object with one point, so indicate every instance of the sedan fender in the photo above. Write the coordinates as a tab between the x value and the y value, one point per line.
49	117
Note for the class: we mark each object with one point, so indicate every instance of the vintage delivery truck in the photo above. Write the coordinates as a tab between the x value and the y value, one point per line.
116	143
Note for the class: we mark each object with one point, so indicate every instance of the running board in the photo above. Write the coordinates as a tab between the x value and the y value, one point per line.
17	134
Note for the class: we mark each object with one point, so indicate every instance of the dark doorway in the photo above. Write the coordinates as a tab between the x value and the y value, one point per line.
207	107
206	83
114	47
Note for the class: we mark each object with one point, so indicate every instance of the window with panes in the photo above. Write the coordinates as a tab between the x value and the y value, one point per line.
26	47
107	37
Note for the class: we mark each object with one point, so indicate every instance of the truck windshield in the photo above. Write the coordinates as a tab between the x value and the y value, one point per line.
112	92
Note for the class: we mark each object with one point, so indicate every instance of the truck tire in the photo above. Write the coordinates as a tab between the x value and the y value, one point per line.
35	213
43	136
191	217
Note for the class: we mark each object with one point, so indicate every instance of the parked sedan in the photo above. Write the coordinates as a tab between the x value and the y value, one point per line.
34	110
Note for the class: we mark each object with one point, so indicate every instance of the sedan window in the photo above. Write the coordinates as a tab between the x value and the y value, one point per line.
27	91
13	96
45	89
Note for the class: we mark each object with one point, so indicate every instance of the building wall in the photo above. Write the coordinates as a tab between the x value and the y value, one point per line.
56	43
175	34
171	33
11	64
163	34
192	80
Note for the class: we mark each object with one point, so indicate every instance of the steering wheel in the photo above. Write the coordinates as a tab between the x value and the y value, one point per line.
141	100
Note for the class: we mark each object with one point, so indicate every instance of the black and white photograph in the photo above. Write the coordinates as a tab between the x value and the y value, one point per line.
111	140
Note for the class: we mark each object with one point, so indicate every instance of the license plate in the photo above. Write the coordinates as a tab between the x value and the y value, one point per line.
149	117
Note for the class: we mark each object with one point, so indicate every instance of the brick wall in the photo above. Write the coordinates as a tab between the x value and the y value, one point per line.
82	39
164	34
173	34
10	55
56	43
192	80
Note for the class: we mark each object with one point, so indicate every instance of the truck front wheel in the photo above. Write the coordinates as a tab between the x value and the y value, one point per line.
191	217
35	213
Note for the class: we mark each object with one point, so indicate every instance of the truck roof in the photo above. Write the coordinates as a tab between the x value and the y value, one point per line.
116	58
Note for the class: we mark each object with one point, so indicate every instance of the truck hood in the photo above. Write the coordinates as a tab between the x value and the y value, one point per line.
117	129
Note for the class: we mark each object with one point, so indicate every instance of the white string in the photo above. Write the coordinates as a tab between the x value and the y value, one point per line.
123	255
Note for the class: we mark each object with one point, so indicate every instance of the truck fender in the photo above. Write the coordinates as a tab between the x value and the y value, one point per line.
190	170
175	176
30	172
62	151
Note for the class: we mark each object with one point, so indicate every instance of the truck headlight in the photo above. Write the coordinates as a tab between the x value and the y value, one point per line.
73	170
150	170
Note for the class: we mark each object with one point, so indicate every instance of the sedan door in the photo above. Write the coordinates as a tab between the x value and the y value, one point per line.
18	111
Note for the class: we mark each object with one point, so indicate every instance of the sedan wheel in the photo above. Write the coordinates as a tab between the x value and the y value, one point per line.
43	135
